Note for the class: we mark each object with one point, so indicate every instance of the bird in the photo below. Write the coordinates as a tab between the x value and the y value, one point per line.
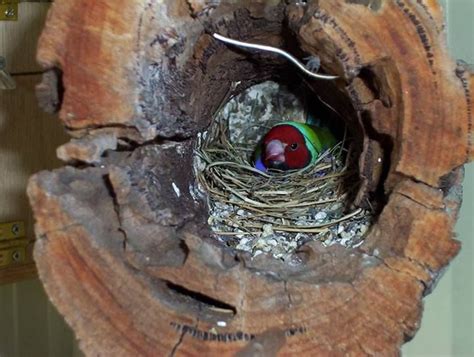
292	145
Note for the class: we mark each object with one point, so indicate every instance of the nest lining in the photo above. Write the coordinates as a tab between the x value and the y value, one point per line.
275	212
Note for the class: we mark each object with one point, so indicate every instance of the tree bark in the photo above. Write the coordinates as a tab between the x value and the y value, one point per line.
129	262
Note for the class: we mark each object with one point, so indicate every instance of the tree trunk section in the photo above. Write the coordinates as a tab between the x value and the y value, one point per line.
131	265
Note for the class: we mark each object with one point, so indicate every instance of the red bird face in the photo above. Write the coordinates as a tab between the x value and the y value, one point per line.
284	148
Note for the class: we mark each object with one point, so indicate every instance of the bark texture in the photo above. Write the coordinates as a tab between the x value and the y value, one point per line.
123	246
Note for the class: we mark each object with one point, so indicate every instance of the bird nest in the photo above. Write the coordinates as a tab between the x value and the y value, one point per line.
278	211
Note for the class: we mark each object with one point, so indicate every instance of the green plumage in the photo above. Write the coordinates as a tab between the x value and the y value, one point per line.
317	139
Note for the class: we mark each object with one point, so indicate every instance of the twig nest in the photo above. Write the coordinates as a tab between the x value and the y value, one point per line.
274	212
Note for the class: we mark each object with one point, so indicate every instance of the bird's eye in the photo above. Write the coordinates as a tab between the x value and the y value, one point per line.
294	146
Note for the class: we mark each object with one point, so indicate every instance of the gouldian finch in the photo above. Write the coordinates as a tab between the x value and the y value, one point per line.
292	145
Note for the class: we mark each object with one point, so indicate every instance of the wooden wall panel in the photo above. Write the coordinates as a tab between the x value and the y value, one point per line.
28	137
28	141
30	326
8	328
29	323
18	39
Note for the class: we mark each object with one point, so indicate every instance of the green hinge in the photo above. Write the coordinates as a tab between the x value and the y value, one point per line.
9	10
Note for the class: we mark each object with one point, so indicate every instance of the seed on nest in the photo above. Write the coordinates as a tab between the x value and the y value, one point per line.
293	244
345	235
272	242
344	240
243	241
267	230
320	216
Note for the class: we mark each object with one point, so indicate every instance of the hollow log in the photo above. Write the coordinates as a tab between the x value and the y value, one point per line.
128	259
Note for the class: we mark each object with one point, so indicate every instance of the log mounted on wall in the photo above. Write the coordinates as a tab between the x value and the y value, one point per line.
131	265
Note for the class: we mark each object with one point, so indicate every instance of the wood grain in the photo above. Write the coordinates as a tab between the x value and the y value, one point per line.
150	276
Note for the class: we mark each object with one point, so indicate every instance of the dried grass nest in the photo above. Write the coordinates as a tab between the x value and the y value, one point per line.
276	212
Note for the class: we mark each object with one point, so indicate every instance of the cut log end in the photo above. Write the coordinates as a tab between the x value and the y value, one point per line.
124	247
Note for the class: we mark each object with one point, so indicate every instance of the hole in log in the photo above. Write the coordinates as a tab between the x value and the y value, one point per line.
275	210
181	96
247	111
224	76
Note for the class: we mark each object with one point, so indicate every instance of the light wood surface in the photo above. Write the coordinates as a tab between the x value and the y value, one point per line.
28	140
29	324
28	137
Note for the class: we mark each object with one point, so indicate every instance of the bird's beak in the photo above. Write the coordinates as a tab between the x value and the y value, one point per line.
275	152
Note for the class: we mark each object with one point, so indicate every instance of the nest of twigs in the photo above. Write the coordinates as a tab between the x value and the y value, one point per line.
275	212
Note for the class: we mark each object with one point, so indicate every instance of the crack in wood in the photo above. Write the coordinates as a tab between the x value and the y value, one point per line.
406	273
204	302
180	340
177	344
116	205
433	208
290	302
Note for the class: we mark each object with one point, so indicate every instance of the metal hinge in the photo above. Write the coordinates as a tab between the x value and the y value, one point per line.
9	8
12	230
12	244
13	253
